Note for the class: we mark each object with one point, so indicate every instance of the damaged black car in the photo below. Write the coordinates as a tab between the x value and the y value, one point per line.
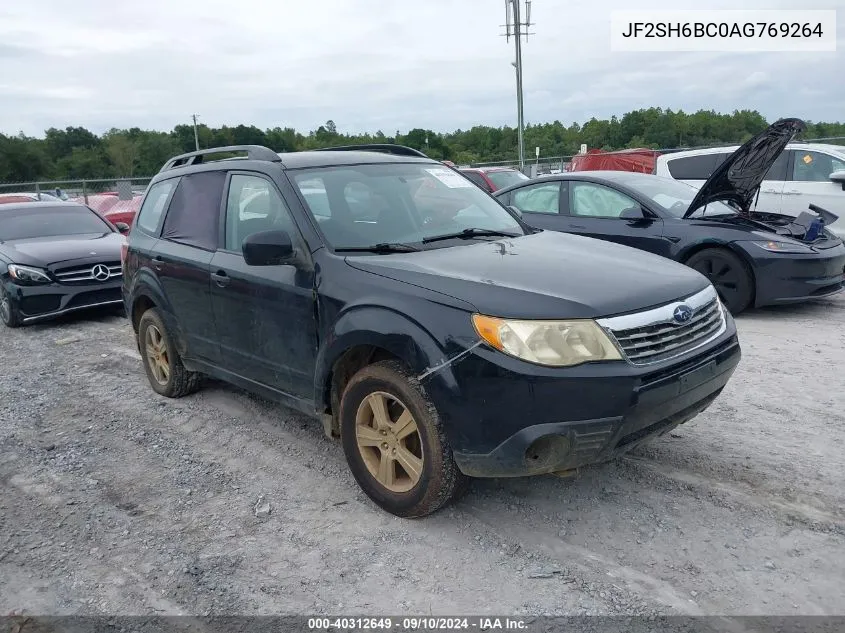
753	259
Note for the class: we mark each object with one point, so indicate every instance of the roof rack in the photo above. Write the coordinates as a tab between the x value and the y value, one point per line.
387	148
253	152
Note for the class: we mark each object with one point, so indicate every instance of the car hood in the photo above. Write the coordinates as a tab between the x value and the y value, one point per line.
546	275
738	178
45	251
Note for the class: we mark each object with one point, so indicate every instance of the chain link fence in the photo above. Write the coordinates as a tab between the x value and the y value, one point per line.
79	190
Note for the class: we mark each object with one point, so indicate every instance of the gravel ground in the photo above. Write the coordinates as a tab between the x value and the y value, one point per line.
114	500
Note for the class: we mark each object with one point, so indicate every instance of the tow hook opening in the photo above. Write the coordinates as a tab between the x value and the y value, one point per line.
547	451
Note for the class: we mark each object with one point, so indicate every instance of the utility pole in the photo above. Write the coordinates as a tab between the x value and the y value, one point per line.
196	136
514	27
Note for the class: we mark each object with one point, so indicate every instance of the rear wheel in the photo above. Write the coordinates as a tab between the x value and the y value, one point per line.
165	371
9	313
395	444
729	275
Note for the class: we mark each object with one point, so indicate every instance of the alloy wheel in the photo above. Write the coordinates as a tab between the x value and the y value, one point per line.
157	355
389	442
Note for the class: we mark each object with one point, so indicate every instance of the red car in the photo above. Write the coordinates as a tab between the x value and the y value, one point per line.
112	208
493	178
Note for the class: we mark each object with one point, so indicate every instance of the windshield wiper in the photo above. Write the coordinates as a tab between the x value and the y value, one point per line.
468	234
384	247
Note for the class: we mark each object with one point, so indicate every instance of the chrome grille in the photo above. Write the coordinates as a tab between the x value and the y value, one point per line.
656	335
89	273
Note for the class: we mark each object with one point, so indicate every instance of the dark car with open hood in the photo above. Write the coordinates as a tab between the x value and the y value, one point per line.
426	325
56	257
752	258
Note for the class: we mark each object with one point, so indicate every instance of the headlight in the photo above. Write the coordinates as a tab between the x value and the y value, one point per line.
27	275
784	247
552	343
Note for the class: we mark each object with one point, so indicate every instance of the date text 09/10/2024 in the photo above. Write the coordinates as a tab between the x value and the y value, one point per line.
425	623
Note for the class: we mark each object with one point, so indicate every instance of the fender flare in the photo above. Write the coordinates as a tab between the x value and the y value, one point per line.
380	327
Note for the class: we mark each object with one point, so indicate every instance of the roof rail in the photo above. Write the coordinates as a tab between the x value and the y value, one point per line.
253	152
387	148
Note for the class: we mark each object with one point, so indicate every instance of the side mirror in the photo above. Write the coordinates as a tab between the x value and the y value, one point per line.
267	248
632	213
516	211
123	227
838	177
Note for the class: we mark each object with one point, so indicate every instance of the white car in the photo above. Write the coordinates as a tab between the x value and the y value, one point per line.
804	174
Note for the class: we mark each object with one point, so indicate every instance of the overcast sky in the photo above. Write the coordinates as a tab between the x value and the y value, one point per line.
373	64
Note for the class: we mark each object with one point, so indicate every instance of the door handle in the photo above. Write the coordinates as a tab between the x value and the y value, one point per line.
158	262
221	278
577	226
792	192
768	191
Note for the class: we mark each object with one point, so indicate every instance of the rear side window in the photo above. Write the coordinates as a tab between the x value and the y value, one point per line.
193	218
693	167
150	212
778	169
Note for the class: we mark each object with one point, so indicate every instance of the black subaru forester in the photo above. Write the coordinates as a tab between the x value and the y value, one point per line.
425	324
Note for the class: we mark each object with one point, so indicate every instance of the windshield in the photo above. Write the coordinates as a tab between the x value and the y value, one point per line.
506	178
21	224
362	205
674	196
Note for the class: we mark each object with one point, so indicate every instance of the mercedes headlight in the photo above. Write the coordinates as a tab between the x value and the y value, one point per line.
551	343
28	275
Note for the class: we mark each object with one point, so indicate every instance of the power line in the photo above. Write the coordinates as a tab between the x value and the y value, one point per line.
516	28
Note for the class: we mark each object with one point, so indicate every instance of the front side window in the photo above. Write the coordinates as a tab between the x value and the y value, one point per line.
810	166
597	201
193	218
361	205
543	198
63	219
254	205
153	205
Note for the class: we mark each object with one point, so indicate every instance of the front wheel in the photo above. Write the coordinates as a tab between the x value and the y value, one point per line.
729	275
395	444
9	313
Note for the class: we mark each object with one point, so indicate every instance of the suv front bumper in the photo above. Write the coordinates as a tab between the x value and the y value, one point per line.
628	410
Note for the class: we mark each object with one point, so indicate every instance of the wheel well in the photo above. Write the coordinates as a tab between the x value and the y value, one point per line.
735	251
141	305
349	363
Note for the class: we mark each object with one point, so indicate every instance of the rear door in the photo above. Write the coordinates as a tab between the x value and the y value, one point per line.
595	210
182	259
265	314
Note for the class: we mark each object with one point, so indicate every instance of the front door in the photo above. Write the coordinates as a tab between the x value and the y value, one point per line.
810	183
595	210
265	315
540	204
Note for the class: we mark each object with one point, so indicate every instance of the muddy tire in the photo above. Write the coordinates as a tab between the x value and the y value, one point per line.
395	444
165	371
729	275
8	312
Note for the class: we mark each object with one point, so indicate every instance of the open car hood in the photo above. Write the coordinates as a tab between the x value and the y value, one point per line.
737	179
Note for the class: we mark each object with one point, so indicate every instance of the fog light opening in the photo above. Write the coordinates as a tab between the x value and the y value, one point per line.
547	451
